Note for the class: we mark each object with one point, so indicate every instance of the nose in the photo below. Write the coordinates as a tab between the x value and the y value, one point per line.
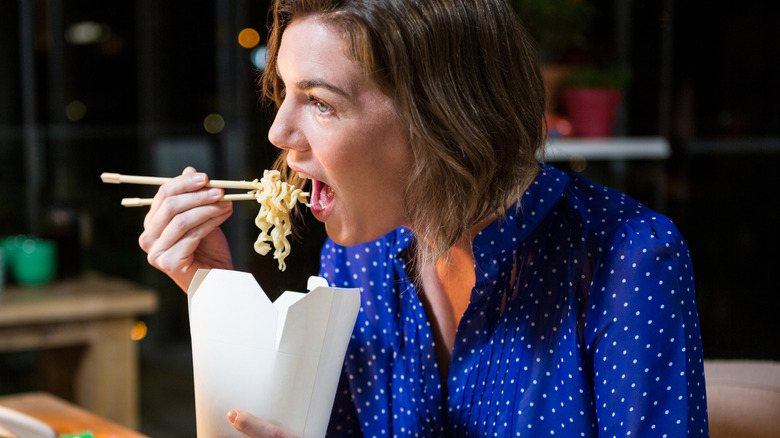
285	132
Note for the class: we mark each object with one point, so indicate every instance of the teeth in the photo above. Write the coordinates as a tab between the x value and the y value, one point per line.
303	175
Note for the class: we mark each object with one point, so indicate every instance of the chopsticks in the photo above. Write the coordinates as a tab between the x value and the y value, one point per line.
140	202
116	178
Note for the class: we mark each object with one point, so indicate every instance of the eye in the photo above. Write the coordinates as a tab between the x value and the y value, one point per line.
320	106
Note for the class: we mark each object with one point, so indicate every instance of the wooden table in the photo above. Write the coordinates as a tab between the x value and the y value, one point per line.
82	328
64	417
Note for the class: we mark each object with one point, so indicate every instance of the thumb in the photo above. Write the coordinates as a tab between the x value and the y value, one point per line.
254	427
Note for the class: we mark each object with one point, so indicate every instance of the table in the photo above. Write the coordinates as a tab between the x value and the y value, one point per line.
81	328
64	417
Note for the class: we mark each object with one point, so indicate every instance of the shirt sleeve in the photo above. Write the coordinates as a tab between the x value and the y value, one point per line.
642	333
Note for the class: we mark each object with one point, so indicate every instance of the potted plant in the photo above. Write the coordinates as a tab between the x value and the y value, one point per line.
591	97
559	28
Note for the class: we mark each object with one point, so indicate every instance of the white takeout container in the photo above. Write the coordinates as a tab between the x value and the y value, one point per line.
280	361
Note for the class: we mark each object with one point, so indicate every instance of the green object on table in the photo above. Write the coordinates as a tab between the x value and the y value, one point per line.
79	435
11	246
2	268
31	261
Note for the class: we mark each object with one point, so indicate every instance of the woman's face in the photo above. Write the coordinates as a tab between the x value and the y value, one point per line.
340	131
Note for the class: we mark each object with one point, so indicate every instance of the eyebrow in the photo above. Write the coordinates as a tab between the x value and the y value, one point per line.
309	84
306	85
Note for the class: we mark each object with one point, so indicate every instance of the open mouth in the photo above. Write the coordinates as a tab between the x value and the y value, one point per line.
321	196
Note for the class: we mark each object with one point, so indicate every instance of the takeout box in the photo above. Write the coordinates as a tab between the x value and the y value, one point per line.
280	361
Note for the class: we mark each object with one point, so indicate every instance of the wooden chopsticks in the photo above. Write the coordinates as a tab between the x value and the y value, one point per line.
116	178
140	202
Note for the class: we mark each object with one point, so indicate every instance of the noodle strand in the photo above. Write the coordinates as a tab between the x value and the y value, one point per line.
276	199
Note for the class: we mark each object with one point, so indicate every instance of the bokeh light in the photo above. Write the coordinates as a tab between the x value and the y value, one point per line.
259	57
75	110
248	38
138	331
87	32
213	123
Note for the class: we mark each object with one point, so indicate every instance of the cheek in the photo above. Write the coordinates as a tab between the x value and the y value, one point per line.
353	156
388	145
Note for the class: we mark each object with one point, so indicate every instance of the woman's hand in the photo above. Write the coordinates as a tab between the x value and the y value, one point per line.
181	231
254	427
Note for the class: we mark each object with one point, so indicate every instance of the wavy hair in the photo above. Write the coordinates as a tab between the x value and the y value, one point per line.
464	79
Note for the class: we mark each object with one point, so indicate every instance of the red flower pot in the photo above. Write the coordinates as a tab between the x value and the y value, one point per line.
591	111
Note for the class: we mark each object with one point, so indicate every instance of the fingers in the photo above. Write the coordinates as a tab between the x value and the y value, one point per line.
172	252
180	194
189	181
169	208
182	214
254	427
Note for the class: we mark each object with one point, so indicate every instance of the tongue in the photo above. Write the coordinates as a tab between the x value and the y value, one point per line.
323	193
326	194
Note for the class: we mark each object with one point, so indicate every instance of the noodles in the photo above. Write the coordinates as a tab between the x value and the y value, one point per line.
276	199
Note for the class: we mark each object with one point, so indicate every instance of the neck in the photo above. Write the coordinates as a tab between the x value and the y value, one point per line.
445	293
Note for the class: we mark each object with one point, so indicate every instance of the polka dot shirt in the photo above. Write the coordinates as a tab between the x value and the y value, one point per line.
582	323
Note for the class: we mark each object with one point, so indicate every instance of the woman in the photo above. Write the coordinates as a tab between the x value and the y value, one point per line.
500	296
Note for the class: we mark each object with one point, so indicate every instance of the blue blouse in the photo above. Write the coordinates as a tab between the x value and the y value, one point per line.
582	323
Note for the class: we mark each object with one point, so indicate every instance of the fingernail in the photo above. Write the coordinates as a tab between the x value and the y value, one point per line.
199	177
232	415
215	192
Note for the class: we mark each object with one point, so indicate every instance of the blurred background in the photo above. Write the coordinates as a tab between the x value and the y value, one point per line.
149	87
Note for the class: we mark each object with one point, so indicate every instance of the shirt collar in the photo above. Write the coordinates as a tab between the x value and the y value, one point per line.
519	222
535	204
401	240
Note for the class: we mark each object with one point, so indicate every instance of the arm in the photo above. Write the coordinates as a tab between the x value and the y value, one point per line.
643	335
181	231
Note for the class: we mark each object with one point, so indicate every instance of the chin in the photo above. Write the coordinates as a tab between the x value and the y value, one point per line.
344	237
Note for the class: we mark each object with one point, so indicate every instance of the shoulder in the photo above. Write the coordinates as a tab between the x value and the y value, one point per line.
642	270
645	255
629	244
614	217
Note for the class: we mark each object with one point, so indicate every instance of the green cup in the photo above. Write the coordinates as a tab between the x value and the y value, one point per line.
12	245
35	263
2	268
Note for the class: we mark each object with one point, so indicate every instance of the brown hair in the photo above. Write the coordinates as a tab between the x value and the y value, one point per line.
464	78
